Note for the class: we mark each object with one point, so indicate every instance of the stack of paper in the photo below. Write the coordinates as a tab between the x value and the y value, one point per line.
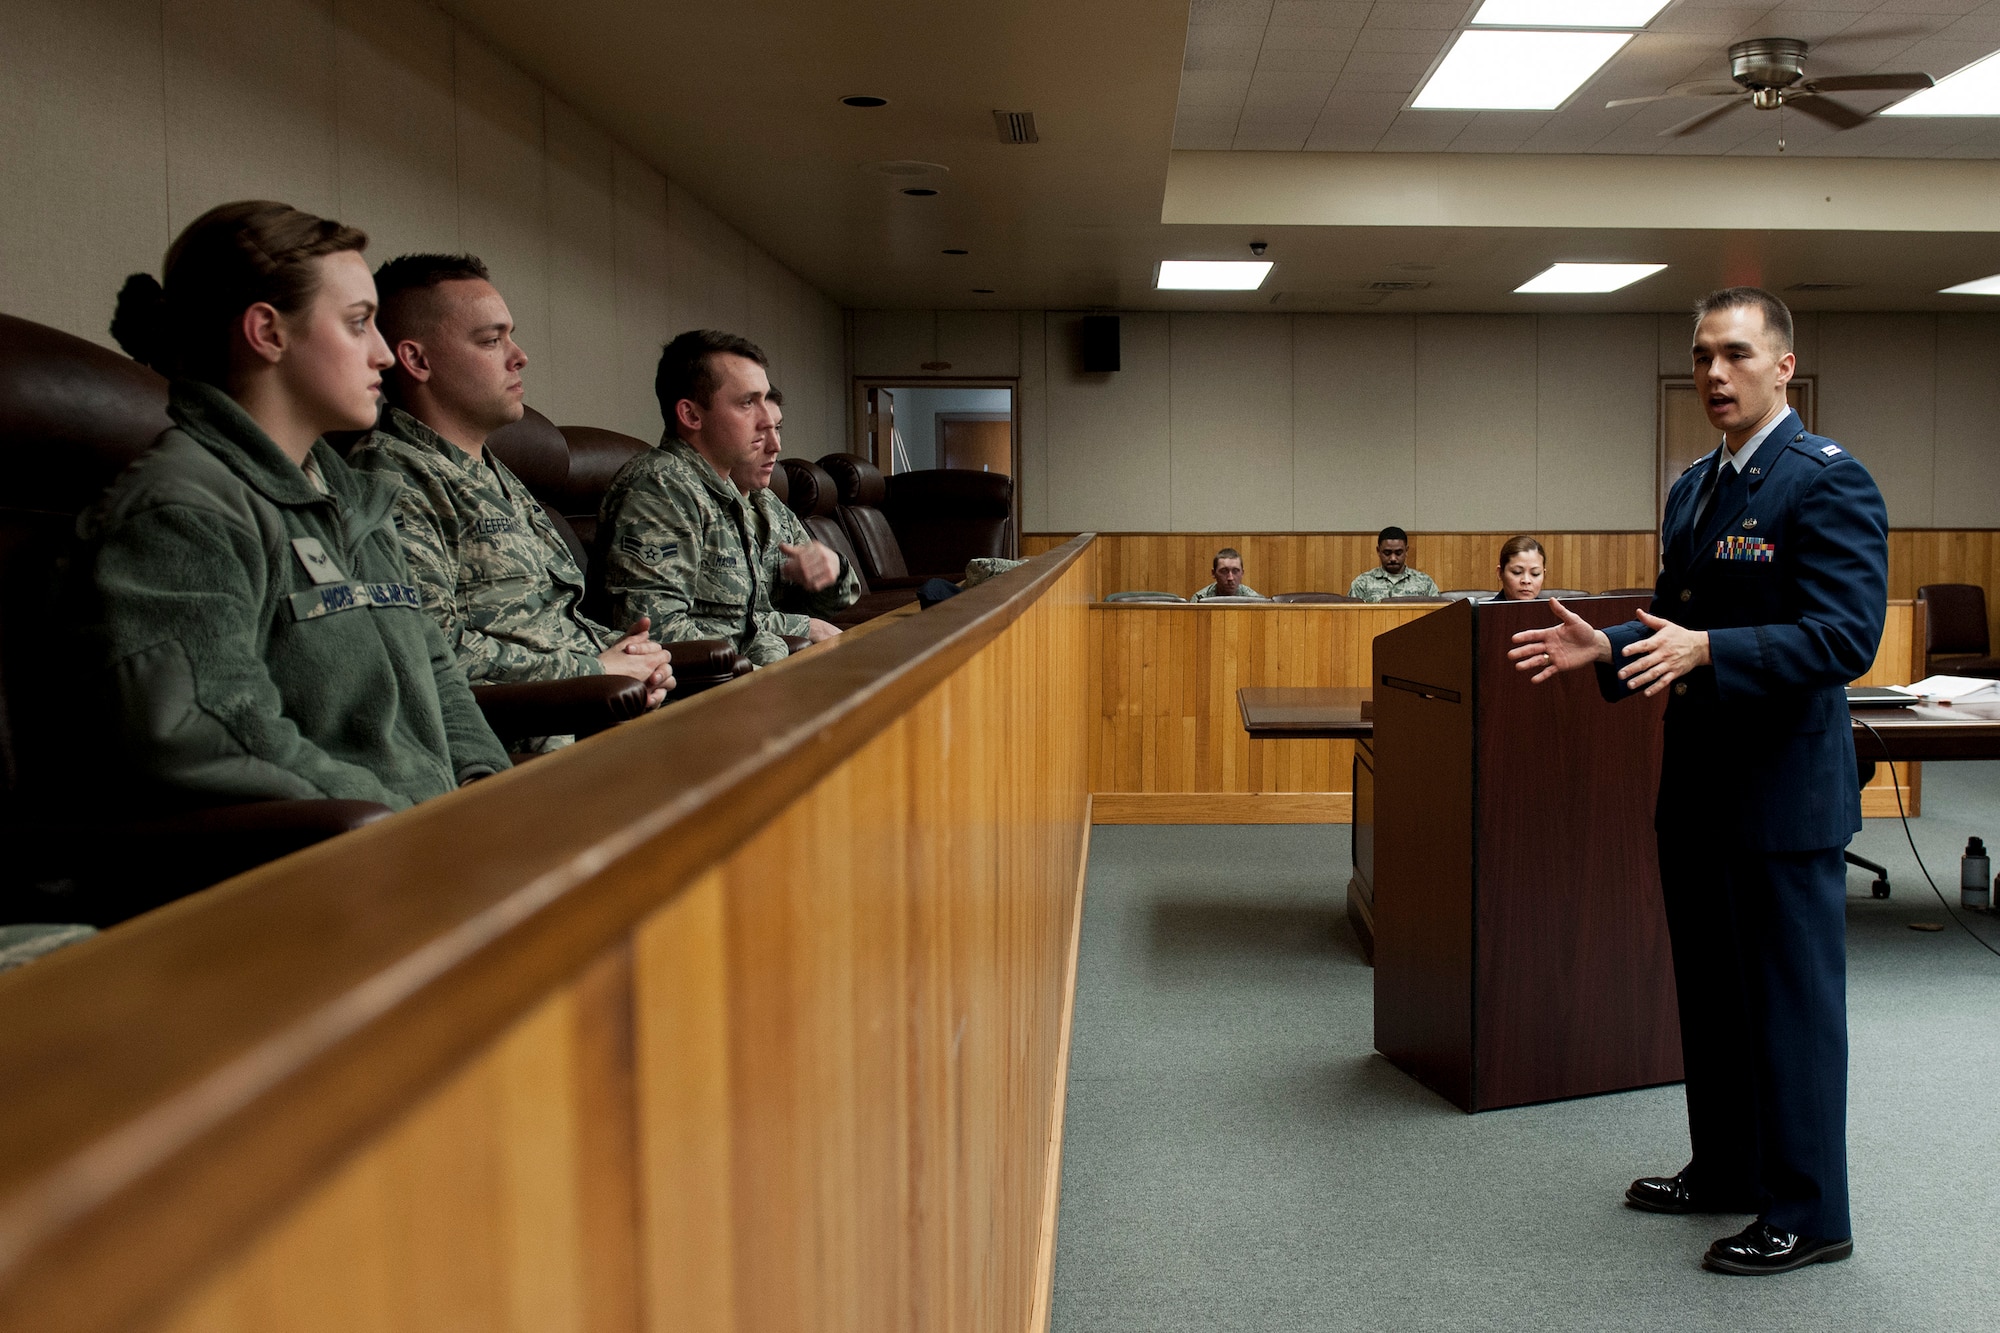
1952	689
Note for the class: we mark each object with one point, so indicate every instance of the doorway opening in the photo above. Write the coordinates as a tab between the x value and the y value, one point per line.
915	427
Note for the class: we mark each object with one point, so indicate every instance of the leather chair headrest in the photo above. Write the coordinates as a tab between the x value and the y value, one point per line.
810	491
781	486
858	481
72	415
535	450
595	455
961	491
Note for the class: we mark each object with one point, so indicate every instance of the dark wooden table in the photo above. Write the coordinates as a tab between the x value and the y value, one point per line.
1922	731
1928	731
1303	714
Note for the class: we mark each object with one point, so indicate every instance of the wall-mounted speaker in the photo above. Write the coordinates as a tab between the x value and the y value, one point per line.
1098	344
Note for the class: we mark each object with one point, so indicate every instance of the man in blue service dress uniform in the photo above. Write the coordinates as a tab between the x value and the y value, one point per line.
1770	599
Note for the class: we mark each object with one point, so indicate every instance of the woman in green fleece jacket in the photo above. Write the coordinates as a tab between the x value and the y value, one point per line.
246	593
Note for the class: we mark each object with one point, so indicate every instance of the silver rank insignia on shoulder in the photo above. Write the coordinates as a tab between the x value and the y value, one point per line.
1749	523
1756	472
1830	450
319	565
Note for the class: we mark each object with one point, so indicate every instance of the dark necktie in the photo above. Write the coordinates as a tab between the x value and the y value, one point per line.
1718	492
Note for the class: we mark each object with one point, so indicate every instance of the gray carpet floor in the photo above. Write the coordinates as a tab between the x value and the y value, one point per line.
1236	1156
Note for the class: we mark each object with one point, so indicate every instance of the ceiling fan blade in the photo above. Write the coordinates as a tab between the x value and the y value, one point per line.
1837	114
1694	123
1701	90
1862	83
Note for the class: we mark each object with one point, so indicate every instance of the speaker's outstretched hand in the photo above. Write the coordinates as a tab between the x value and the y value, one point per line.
1568	644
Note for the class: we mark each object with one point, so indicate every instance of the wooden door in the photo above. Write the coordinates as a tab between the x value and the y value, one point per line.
1685	434
880	428
980	441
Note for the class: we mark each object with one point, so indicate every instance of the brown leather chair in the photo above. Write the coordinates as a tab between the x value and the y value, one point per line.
810	492
945	518
862	491
569	468
1468	594
1955	638
1313	597
72	414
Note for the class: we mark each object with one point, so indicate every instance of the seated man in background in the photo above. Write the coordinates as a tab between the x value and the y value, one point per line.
1394	578
680	540
1228	571
802	578
492	570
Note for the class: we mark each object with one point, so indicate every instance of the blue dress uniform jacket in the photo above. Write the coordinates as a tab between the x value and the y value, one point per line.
1789	576
1758	794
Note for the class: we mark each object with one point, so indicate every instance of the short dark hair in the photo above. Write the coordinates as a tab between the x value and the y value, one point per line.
1392	535
774	396
1226	553
687	367
1520	546
1777	318
403	284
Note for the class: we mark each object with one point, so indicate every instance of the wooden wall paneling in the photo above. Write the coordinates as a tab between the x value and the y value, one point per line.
1275	562
502	1202
1899	660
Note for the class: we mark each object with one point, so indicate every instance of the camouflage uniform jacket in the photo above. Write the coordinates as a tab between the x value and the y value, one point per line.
787	606
1376	585
492	570
1209	593
680	546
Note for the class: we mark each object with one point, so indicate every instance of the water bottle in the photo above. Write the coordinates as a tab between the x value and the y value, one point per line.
1975	882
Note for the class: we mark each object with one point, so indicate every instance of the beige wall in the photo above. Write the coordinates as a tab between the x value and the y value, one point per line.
127	118
1229	422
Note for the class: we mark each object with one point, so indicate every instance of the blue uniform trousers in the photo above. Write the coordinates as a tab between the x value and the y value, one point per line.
1759	942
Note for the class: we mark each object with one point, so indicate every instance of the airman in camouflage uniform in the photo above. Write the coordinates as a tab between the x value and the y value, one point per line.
681	548
490	566
492	569
1392	578
789	608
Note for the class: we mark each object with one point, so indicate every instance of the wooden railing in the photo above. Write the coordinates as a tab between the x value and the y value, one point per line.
749	1015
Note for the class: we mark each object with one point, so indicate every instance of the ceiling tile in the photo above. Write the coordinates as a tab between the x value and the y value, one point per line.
1407	14
1320	13
1213	87
1356	104
1302	62
1357	81
1204	138
1424	131
1273	138
1230	11
1411	66
1308	39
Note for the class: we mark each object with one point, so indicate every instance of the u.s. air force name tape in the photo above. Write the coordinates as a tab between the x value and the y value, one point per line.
328	598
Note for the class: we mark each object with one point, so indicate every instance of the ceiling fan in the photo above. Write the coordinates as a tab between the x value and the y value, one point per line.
1769	73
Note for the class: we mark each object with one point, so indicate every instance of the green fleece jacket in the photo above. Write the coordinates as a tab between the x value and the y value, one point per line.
259	635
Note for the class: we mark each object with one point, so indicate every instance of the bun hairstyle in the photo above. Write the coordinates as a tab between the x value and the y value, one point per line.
225	261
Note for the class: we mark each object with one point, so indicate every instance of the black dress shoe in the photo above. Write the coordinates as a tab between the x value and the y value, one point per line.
1673	1194
1761	1248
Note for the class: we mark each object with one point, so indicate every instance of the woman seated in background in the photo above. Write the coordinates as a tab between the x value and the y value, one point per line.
1523	564
245	595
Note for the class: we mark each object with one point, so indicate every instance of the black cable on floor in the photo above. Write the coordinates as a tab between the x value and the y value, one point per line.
1979	939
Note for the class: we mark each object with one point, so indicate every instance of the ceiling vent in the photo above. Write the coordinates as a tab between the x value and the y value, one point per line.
1822	287
1404	286
1016	126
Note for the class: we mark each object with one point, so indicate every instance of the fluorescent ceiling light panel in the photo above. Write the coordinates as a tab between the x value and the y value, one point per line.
1489	70
1977	287
1588	277
1973	91
1568	13
1211	275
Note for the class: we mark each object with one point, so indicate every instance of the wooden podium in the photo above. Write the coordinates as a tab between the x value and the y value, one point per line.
1520	942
